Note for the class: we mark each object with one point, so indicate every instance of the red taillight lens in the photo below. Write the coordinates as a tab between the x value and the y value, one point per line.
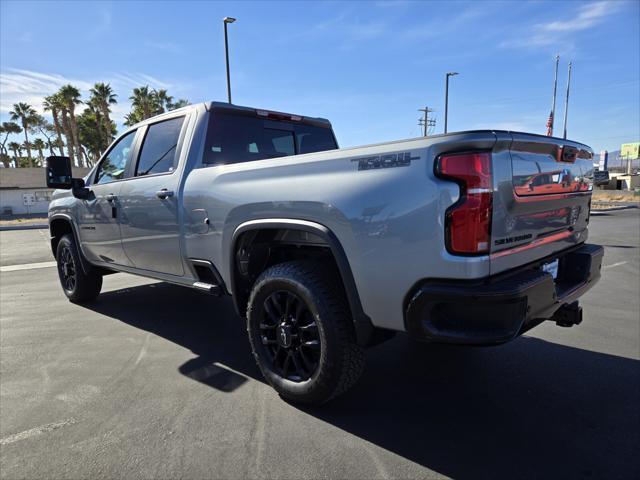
469	220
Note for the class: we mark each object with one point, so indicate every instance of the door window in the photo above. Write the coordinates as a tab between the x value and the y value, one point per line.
159	149
114	165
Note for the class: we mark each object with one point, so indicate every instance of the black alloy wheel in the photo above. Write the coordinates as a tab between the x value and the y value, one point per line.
78	284
289	334
301	332
67	268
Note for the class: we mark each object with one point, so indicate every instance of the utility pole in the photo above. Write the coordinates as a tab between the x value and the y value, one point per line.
446	99
426	122
552	117
566	103
226	21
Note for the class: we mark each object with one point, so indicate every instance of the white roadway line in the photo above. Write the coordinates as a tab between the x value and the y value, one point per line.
614	265
49	427
26	266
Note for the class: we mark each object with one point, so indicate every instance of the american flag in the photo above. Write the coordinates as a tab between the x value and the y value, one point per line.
550	125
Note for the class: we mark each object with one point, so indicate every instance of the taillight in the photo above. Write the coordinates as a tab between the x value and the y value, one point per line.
468	222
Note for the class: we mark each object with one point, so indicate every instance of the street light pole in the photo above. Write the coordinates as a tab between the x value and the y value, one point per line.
566	102
226	21
446	99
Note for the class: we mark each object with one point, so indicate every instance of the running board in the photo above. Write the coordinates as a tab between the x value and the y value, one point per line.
208	288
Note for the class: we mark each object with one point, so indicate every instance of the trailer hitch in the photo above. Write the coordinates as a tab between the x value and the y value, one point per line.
568	315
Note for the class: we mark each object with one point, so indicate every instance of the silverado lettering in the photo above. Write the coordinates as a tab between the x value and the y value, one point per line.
388	160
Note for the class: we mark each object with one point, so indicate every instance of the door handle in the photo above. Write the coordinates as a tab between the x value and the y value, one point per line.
111	197
164	193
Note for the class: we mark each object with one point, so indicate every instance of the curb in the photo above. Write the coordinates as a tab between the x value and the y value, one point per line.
37	226
612	209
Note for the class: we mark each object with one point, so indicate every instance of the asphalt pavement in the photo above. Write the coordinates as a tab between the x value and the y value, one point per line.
157	381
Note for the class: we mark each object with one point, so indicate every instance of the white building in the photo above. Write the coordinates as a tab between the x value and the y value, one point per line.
24	190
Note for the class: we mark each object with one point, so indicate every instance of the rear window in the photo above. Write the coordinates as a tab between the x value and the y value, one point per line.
238	138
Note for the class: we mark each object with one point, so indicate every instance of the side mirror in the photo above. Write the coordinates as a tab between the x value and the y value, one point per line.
59	173
78	189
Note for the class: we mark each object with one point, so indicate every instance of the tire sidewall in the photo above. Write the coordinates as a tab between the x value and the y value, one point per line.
88	284
327	366
66	242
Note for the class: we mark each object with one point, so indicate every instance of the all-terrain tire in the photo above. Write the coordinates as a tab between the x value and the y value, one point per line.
340	361
77	285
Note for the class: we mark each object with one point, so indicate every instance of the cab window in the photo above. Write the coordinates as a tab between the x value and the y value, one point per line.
159	148
114	165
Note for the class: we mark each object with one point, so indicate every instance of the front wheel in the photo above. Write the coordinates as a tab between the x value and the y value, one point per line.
77	285
301	333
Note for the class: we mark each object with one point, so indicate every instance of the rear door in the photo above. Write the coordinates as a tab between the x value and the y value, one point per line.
542	201
149	221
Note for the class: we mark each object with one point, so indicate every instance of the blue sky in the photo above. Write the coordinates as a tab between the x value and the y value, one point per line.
367	66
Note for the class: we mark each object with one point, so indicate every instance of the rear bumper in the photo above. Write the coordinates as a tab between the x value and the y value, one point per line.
498	309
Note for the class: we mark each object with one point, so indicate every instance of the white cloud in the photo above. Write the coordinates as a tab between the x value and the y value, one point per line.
131	80
18	85
26	86
588	16
557	32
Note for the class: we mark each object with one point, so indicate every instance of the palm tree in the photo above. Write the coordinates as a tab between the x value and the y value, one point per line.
26	114
179	104
71	98
47	130
102	134
39	145
28	146
8	128
16	148
163	100
132	118
66	127
143	100
53	103
58	143
102	95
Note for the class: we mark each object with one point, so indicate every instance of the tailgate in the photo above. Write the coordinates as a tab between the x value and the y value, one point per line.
542	201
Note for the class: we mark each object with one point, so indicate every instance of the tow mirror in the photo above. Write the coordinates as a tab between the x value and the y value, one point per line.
59	173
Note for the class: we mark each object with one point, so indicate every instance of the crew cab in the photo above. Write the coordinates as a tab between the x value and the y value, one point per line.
327	251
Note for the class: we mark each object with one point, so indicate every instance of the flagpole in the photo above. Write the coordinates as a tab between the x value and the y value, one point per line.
566	104
553	103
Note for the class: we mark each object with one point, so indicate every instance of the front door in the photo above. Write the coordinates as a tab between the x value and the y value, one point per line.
149	221
98	215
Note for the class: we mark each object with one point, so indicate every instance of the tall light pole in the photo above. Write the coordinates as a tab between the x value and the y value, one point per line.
446	99
552	116
227	20
566	102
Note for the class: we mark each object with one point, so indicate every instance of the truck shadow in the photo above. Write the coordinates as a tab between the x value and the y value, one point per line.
528	409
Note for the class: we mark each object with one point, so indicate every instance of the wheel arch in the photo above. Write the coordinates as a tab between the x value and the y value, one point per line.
362	323
60	225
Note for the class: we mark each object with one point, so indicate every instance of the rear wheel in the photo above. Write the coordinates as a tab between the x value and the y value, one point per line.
77	285
301	333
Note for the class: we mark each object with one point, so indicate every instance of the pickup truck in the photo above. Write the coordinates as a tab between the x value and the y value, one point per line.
327	251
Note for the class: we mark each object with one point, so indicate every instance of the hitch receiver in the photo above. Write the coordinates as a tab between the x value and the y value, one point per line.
568	315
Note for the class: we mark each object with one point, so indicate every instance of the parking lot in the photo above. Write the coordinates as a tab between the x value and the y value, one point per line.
157	381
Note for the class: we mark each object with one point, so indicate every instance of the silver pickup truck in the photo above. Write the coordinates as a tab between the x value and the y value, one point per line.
469	238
